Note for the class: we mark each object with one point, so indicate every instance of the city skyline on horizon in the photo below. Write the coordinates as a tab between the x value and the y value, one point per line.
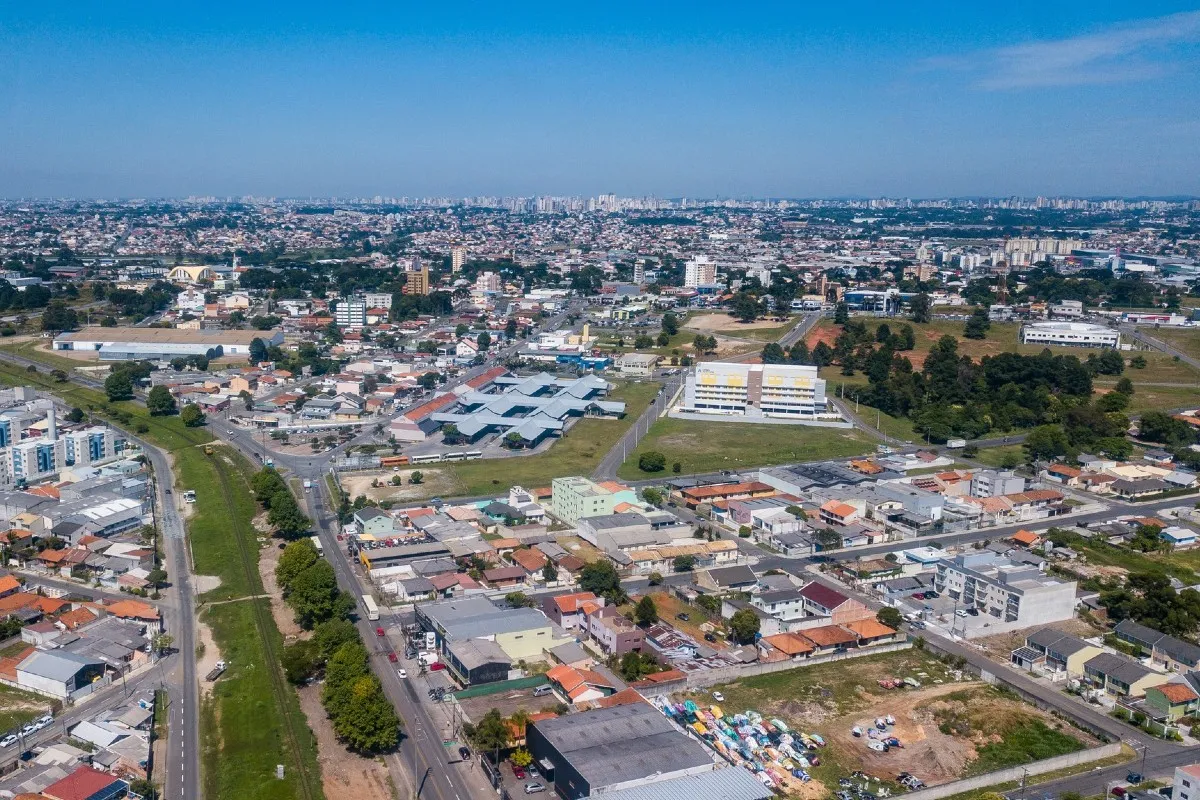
1093	100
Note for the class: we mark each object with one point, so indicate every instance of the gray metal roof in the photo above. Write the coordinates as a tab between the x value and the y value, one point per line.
623	743
732	783
58	665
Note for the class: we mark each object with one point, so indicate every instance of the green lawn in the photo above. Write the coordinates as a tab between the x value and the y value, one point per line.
711	446
577	453
995	456
28	349
1186	340
245	728
1158	398
215	550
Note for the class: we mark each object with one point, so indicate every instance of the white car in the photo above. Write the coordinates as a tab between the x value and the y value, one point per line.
402	673
720	698
8	740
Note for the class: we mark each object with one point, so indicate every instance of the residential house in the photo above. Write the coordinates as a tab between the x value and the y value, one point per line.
565	609
1172	701
1121	676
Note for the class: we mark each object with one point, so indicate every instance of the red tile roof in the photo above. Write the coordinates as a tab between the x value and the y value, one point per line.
80	785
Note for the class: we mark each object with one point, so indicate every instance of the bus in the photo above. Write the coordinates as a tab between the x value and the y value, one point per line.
428	458
316	540
372	609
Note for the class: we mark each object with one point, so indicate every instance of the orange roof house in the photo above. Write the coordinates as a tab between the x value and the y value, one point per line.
529	560
1026	538
869	629
8	585
133	609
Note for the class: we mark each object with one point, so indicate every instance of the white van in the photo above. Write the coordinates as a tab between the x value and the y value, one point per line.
427	658
543	690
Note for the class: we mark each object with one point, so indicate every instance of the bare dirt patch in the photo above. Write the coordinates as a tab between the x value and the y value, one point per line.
712	323
1001	645
433	482
207	658
343	774
285	620
205	583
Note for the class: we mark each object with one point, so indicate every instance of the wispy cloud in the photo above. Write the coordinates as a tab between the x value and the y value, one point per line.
1129	52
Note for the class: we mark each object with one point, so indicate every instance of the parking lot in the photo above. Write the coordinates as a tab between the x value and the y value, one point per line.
519	782
946	613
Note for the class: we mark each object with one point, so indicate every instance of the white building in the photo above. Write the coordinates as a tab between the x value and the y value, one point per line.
350	313
487	282
1187	783
1069	334
458	258
378	299
733	389
699	271
1009	595
1069	309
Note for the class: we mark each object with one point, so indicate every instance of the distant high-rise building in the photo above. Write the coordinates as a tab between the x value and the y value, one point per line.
417	282
699	271
487	282
639	272
458	258
350	313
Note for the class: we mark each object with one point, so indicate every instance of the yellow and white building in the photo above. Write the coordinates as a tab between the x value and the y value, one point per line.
783	391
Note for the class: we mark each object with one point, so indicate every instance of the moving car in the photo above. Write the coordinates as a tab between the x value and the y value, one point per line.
464	753
402	673
1134	777
392	657
379	631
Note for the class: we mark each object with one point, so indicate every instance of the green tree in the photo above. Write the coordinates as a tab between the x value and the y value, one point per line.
1046	443
367	722
314	595
827	539
118	386
75	415
670	324
549	572
1138	361
521	757
301	660
652	496
286	517
258	351
646	613
773	354
331	634
159	401
889	616
415	477
921	309
519	600
490	733
192	416
295	559
652	461
977	326
484	341
841	314
684	563
600	577
744	626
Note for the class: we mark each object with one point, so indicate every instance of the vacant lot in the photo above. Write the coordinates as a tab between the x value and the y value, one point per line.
711	446
1186	340
949	729
17	708
435	481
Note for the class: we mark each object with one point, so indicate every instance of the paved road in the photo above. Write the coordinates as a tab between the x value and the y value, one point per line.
1158	344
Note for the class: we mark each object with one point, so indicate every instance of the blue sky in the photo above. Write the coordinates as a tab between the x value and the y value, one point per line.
796	100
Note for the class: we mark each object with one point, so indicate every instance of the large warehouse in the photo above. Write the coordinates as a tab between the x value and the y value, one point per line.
155	344
1069	334
613	748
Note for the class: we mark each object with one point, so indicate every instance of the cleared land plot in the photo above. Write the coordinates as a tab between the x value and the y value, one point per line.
1185	340
1007	456
17	708
948	729
710	446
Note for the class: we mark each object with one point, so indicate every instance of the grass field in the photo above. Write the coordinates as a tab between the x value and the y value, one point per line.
1186	340
1158	398
577	453
711	446
243	726
29	349
215	550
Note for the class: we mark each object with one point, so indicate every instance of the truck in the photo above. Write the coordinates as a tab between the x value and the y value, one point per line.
216	671
307	485
956	444
430	640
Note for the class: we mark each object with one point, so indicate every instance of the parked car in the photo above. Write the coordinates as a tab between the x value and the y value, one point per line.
8	740
1118	791
1134	777
534	788
960	613
464	753
708	637
682	616
402	673
519	773
918	596
973	611
435	666
720	698
932	595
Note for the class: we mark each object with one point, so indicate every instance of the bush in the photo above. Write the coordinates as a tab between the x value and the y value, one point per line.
652	461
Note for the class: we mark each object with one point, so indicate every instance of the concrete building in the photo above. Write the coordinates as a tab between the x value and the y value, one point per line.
58	673
458	259
699	271
1187	783
638	365
1014	595
350	313
417	281
749	391
576	497
522	633
1069	334
1056	651
733	783
133	344
607	749
993	483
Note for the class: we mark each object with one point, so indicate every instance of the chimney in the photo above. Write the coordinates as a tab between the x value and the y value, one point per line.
51	425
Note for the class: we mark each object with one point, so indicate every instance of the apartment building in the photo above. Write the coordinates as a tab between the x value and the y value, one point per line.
699	271
417	281
350	313
1018	595
1069	334
732	389
574	498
